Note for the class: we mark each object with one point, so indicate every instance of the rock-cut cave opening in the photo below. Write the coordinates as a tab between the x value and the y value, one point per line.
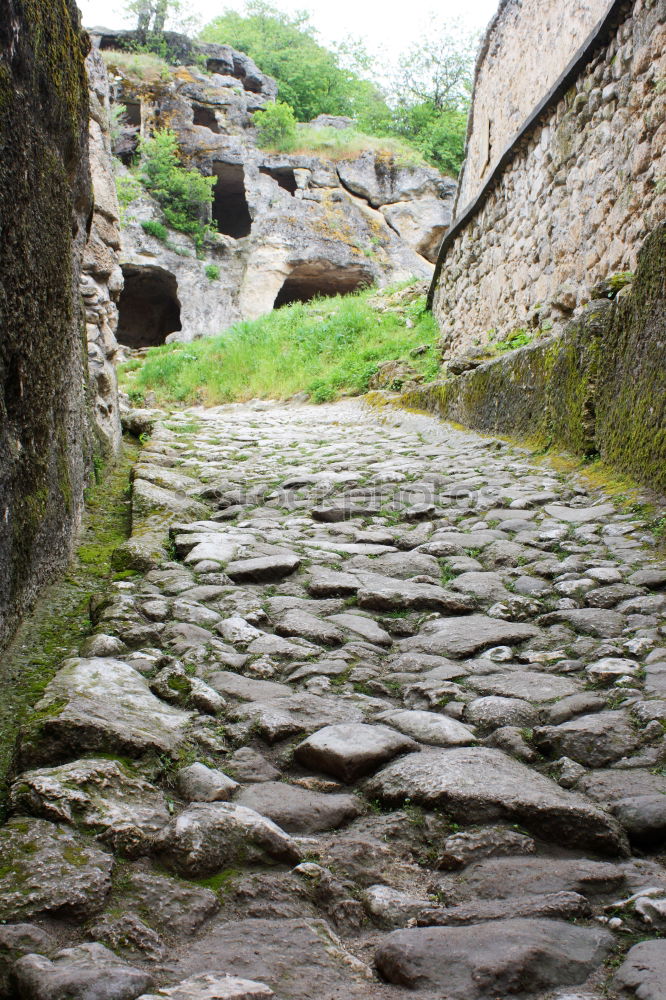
283	175
149	308
230	208
320	278
205	116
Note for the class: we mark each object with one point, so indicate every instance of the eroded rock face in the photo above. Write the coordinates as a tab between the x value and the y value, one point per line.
289	226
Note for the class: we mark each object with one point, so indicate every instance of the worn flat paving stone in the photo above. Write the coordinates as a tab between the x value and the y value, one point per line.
380	715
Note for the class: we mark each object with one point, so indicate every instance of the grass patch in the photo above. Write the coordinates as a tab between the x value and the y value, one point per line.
145	66
346	144
328	347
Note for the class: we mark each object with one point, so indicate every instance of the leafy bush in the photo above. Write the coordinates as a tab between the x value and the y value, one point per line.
312	79
184	195
213	272
277	127
127	189
156	229
326	347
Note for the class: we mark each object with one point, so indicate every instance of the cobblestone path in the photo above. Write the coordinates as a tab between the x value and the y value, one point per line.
382	716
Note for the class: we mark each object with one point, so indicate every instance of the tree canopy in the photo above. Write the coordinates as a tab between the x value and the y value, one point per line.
425	101
310	77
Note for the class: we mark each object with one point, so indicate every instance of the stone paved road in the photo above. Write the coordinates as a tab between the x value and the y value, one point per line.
384	718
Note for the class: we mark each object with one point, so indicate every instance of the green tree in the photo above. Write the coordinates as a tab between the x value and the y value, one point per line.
431	92
184	195
311	78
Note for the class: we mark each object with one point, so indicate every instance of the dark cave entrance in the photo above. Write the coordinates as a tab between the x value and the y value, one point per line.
230	208
126	140
205	116
149	308
321	278
283	175
132	113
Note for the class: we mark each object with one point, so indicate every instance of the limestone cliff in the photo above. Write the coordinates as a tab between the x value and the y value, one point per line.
288	226
45	209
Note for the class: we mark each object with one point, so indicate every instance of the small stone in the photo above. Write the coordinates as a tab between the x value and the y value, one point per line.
351	751
213	986
198	783
263	569
87	972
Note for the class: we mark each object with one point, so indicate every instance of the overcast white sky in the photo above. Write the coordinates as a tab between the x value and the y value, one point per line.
386	26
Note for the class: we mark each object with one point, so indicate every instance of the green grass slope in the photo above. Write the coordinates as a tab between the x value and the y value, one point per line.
327	348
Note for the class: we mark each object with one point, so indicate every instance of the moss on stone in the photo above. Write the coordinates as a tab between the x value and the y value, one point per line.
61	619
599	389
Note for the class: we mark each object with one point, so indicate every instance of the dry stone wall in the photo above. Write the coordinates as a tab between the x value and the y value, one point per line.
528	44
576	201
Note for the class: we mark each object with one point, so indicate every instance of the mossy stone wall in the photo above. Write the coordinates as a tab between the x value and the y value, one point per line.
598	389
45	207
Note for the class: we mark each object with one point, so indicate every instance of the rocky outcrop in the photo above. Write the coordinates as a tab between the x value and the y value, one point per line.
45	437
289	226
102	277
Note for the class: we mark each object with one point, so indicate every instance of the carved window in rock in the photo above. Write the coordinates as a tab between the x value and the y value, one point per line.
205	116
149	307
284	176
231	211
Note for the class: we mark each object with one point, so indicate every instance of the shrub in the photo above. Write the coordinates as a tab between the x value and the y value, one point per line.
213	272
127	189
156	229
277	126
184	195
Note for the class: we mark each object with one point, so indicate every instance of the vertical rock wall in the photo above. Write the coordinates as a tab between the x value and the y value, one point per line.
102	278
45	208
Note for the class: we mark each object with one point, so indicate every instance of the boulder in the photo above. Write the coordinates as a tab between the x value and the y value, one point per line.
350	751
481	785
298	810
101	796
208	837
100	704
499	958
87	972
